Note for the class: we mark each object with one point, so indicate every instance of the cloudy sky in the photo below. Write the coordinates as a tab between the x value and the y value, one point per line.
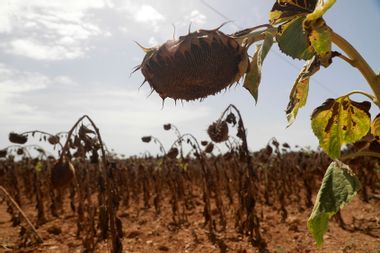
62	59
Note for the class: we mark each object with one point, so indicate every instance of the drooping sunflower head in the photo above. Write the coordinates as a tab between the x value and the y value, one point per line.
218	131
195	66
62	173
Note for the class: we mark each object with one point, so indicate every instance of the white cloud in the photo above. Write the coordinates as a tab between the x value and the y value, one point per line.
17	86
7	10
65	80
69	29
147	13
48	30
13	81
66	40
152	41
131	112
29	98
36	50
140	13
196	17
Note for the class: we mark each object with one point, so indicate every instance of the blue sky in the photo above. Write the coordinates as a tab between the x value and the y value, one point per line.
62	59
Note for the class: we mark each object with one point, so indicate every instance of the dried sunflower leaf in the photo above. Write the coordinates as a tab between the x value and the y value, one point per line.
320	9
299	92
320	39
285	10
253	76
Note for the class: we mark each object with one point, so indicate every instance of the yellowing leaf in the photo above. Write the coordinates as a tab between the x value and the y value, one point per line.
284	10
39	166
299	92
375	128
253	76
320	9
319	34
293	41
320	39
298	40
338	122
339	186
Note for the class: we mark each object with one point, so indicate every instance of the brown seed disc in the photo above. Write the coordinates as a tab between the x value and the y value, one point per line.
62	173
17	138
209	148
20	151
173	152
3	153
53	139
218	131
195	66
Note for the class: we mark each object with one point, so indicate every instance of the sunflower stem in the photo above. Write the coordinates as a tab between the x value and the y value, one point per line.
247	37
373	98
357	60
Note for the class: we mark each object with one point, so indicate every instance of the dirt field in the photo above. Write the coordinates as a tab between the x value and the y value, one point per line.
146	233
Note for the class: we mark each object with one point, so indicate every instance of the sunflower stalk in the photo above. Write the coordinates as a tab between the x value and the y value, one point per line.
249	36
360	63
14	203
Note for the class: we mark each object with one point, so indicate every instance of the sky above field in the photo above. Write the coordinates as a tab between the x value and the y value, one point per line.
62	59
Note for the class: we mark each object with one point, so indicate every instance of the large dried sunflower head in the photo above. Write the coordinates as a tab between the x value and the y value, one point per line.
209	148
167	127
173	152
218	131
20	151
17	138
53	139
195	66
3	153
146	139
62	173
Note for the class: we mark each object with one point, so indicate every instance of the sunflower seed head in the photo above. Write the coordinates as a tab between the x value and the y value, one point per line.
53	139
3	153
209	148
173	152
20	151
218	131
62	173
204	143
17	138
146	139
195	66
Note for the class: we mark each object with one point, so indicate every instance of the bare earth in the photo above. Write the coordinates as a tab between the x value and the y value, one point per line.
144	232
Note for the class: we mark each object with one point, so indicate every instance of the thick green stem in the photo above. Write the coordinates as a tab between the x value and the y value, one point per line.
360	63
